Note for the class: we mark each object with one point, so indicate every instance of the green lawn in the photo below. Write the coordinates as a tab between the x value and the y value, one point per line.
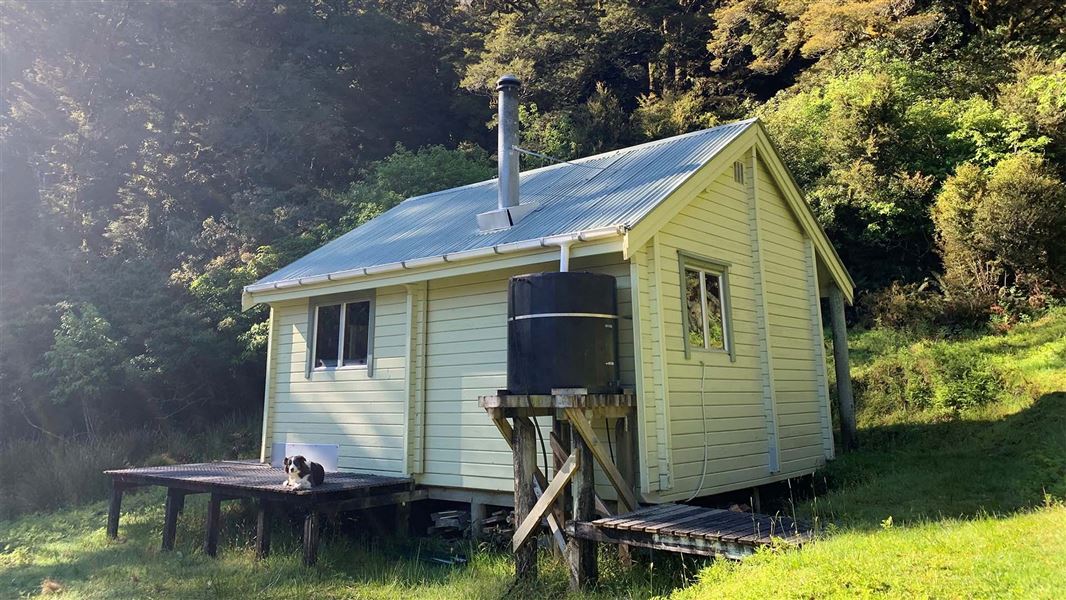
937	503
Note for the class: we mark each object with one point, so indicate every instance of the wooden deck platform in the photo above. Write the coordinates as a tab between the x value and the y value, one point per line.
256	480
694	530
229	480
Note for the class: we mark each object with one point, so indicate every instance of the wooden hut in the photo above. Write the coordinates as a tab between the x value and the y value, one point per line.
383	340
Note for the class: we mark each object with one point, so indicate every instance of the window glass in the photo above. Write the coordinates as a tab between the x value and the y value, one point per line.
327	335
694	302
715	324
703	297
356	332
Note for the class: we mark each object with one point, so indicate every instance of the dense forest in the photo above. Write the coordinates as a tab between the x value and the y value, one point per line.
158	156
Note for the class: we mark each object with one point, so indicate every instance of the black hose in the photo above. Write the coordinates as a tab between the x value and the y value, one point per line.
607	428
540	436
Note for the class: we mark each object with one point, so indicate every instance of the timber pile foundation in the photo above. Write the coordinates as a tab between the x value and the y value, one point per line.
578	519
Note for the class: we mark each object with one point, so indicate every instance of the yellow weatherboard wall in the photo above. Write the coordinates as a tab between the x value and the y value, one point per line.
767	395
363	415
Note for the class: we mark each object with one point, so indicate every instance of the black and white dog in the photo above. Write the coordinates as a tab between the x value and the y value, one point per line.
302	473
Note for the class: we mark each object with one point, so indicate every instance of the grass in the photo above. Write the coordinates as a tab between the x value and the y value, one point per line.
937	503
70	549
1021	556
70	472
940	501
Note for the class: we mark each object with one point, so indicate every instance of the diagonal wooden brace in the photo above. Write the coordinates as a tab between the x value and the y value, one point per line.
583	427
560	454
538	476
557	533
556	487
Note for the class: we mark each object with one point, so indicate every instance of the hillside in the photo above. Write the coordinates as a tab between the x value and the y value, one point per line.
939	501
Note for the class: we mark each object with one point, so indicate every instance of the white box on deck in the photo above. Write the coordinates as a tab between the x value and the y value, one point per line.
323	454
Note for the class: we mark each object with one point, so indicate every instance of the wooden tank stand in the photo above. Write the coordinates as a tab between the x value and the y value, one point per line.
570	496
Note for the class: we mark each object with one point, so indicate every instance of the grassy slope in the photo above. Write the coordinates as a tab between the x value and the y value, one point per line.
935	506
966	497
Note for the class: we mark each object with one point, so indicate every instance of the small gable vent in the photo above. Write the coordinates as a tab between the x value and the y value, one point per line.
738	171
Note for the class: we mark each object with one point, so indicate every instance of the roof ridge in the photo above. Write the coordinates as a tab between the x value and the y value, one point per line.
592	157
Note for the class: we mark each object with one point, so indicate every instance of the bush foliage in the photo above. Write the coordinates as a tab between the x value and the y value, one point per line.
157	158
69	472
934	377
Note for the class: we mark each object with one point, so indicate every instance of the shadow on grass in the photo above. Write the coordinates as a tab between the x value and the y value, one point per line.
70	547
960	468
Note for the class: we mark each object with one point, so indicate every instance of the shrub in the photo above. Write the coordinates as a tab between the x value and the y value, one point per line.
1002	226
70	471
937	377
923	308
907	306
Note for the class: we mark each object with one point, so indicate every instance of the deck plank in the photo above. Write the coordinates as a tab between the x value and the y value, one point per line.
692	529
680	524
628	516
654	517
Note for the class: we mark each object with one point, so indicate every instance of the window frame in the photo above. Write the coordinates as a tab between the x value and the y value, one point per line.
693	262
312	320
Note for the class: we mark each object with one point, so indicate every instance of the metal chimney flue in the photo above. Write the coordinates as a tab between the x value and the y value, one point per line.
507	155
509	208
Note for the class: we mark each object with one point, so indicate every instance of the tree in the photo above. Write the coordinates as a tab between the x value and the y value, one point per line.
85	363
1003	227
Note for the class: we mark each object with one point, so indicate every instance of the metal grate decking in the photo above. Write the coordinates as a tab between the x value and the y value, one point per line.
228	480
695	530
250	478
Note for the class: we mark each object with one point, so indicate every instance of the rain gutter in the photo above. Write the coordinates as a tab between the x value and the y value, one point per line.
563	242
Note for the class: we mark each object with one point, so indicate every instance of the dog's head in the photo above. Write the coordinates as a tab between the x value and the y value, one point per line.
297	465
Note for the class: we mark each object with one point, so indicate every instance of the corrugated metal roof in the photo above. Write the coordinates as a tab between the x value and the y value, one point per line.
617	188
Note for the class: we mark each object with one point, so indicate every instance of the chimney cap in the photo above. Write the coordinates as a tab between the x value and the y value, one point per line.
508	80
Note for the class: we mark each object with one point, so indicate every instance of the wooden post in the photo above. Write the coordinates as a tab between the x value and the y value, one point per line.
114	509
625	455
845	400
477	517
560	455
523	443
311	534
561	436
262	528
508	434
403	518
214	523
174	503
581	553
583	429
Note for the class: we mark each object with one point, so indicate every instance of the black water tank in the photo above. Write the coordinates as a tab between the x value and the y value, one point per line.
562	332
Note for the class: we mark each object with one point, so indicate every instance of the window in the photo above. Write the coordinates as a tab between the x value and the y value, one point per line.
343	334
706	305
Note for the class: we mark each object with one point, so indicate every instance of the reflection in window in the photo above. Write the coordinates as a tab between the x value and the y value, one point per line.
327	335
356	332
703	297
